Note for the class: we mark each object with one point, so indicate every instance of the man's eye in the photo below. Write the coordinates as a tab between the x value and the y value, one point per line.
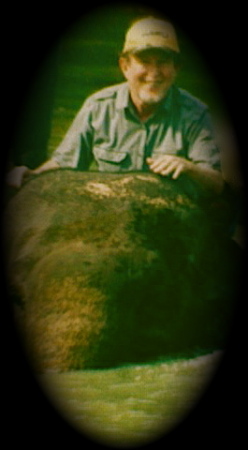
160	62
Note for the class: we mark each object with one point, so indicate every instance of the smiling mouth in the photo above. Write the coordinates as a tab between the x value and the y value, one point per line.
152	94
155	83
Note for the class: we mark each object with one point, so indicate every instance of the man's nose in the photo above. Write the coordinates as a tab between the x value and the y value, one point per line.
155	69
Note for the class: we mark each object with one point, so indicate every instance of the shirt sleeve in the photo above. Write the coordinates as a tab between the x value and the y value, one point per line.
75	150
203	149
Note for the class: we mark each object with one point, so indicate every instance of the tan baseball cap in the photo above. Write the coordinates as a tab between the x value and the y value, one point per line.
150	32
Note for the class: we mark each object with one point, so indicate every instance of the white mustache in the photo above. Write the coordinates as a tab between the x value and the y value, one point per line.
154	82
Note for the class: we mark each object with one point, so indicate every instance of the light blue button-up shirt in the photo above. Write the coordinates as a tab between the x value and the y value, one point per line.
108	130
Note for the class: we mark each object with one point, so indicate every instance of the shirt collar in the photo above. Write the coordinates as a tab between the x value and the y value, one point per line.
122	98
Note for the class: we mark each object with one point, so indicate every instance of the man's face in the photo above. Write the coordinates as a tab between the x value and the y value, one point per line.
150	74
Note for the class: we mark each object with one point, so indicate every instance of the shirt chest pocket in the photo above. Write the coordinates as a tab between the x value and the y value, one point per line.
109	160
170	144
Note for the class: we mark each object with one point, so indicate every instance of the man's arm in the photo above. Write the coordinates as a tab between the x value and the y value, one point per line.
68	154
209	179
50	164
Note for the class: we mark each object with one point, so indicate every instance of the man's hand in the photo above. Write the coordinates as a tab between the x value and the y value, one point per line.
169	165
209	179
17	175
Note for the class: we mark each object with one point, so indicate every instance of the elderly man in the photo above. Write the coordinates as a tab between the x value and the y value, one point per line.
145	123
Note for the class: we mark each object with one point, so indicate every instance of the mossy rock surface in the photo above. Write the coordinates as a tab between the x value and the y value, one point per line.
117	268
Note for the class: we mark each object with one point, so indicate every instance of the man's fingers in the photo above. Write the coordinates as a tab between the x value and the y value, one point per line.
177	172
159	164
167	165
170	169
16	176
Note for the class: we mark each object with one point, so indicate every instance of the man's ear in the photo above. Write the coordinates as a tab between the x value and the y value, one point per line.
124	64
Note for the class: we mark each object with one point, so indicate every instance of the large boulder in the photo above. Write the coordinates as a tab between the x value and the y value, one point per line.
107	269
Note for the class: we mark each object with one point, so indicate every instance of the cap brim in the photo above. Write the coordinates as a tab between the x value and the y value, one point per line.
144	48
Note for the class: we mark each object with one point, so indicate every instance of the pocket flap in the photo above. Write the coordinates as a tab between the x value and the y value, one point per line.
109	155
